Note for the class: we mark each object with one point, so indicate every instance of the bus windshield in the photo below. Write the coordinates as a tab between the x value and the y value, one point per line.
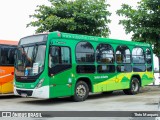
30	60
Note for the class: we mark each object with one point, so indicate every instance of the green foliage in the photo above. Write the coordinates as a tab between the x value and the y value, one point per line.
73	16
143	22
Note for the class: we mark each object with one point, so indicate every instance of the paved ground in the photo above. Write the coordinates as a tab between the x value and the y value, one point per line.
146	100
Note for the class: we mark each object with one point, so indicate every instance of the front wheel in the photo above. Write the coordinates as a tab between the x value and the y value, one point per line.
81	91
134	87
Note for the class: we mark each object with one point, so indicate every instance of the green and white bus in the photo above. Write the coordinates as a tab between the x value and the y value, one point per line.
60	64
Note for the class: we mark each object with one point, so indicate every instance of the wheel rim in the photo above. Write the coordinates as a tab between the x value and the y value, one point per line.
135	86
81	91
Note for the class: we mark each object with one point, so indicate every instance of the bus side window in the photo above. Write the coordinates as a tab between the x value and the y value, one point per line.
59	59
138	55
7	55
54	52
11	54
149	59
3	56
123	54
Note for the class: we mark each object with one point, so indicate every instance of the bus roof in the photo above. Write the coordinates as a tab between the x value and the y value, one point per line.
97	39
8	42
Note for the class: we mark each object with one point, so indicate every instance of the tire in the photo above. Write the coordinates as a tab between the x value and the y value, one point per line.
134	87
81	91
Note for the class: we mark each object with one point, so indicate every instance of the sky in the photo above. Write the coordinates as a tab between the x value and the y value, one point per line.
117	30
14	16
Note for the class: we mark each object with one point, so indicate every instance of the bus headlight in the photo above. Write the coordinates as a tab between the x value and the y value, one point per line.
40	83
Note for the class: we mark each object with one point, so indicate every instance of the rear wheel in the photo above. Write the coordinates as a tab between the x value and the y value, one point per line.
81	91
134	87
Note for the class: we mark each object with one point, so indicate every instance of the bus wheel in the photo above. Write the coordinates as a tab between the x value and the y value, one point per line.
81	91
134	87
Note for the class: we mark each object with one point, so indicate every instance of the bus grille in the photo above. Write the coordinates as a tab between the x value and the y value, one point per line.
28	92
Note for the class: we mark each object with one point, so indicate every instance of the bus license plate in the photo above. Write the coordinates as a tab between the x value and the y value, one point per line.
23	94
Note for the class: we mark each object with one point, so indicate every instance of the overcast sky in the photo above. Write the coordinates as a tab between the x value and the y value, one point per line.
14	16
117	30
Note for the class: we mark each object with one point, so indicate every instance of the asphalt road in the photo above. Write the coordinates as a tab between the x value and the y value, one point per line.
146	100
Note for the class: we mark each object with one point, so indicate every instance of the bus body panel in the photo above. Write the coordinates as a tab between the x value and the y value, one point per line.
6	79
61	84
42	92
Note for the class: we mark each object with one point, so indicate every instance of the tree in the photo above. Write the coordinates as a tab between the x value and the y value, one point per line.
143	22
73	16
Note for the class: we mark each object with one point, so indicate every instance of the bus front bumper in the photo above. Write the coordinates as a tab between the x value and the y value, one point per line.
42	92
